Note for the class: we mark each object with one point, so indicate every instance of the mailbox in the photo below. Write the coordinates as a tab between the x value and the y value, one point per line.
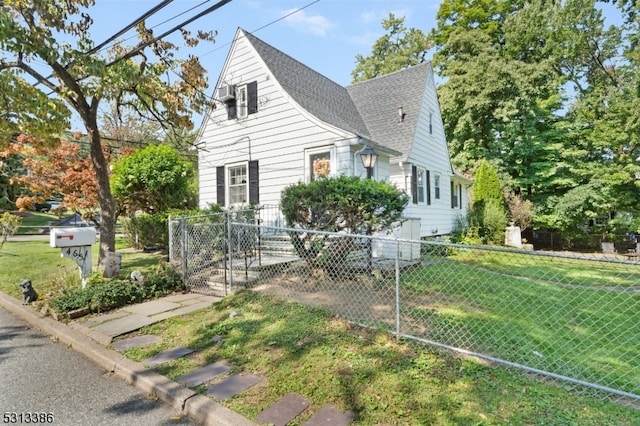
72	237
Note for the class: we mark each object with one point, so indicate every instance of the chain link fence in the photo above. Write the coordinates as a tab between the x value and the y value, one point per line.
572	317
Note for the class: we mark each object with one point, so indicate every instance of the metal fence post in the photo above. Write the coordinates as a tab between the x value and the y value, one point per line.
183	248
397	290
230	254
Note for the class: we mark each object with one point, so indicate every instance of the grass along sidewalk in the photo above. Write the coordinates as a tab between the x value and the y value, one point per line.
328	360
50	273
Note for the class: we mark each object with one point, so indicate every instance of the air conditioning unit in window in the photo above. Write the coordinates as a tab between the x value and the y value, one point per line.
226	92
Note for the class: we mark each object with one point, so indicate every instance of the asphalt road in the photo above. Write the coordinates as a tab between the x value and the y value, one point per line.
38	375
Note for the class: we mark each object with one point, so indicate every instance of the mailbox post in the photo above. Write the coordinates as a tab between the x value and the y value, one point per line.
75	244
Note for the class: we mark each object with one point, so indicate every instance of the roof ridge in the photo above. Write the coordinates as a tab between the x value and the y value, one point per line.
388	75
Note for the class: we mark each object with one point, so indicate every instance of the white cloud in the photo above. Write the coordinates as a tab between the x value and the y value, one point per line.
315	24
369	16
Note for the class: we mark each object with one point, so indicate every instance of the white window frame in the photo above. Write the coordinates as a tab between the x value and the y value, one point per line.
312	152
229	185
436	185
421	185
242	105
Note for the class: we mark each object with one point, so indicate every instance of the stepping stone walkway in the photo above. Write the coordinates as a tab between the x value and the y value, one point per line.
202	375
284	410
166	356
135	342
233	385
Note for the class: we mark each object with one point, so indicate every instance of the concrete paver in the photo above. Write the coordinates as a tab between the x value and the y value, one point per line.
204	374
134	342
284	410
124	325
233	385
166	356
152	308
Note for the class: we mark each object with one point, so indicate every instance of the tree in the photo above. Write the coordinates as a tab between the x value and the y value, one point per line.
486	185
399	48
82	78
487	218
153	180
9	224
343	203
57	171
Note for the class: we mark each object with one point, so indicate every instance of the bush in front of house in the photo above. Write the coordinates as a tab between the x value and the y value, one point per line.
345	204
146	230
103	294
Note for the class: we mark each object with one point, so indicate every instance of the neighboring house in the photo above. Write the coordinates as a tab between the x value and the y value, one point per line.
274	117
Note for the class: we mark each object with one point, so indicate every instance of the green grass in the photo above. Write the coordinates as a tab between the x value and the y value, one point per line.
32	221
49	272
327	360
534	311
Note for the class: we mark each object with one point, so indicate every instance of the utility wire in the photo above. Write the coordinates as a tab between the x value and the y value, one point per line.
145	15
177	27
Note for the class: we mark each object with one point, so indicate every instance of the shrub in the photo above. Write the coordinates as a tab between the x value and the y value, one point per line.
146	230
9	224
105	294
343	203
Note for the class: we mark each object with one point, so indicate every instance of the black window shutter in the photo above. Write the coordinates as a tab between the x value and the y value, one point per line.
232	110
252	97
220	185
414	184
428	188
254	183
453	195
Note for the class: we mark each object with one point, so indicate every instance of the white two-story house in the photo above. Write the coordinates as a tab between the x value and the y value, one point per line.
274	117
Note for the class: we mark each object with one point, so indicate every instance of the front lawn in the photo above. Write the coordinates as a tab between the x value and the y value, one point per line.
328	360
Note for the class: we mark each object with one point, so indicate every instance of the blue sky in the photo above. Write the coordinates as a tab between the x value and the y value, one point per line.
325	35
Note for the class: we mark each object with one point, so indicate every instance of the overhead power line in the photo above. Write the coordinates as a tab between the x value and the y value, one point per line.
145	15
163	35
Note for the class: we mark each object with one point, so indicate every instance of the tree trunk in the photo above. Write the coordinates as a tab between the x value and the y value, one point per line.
107	204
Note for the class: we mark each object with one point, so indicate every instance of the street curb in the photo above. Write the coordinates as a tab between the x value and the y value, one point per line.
198	407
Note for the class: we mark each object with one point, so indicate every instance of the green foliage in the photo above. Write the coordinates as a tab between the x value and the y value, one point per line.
146	230
494	222
486	185
105	294
485	223
399	48
9	224
342	203
152	180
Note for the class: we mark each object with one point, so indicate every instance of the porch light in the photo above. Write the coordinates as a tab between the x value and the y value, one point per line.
368	157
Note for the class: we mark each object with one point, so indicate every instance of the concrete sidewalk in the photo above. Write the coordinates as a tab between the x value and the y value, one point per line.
104	327
91	335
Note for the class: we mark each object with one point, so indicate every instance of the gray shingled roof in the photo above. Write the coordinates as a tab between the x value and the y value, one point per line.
319	95
378	101
368	109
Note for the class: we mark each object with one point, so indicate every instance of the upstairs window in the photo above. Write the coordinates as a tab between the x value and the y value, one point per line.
245	102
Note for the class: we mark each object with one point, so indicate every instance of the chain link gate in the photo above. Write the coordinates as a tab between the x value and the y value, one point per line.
567	316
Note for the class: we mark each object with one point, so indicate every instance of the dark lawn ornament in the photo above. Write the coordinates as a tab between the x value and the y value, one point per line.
28	293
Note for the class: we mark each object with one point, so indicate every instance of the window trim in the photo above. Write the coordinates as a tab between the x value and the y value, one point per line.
420	184
228	169
242	103
308	168
436	185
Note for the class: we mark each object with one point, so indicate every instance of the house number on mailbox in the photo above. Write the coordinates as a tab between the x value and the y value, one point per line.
76	253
